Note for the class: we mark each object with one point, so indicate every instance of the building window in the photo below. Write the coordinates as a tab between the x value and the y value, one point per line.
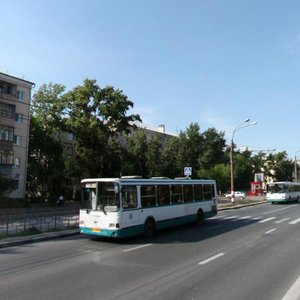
6	157
6	133
70	136
17	162
7	110
20	95
70	151
8	88
17	140
19	118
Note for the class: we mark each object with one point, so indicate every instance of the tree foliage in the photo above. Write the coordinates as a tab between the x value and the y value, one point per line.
106	143
45	162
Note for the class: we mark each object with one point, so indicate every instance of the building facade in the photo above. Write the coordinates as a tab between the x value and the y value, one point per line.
15	95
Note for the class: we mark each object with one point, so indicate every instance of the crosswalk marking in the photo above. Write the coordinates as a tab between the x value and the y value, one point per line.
282	220
259	219
267	220
295	221
231	217
245	218
271	230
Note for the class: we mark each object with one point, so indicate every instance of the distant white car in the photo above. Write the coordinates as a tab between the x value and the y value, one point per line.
237	195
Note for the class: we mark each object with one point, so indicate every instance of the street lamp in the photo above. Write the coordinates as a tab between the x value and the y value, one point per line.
242	125
296	171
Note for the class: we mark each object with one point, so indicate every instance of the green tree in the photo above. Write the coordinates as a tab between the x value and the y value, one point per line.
45	162
189	148
170	167
279	167
153	157
243	170
45	106
213	144
94	115
220	173
136	160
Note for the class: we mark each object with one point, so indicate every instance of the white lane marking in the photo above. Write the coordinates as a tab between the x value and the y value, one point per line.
271	230
230	217
136	248
294	292
266	220
206	261
282	220
275	210
246	217
295	221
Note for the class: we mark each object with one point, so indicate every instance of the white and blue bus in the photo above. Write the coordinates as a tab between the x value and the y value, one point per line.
123	207
283	191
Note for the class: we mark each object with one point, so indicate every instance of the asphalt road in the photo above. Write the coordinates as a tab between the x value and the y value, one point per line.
248	253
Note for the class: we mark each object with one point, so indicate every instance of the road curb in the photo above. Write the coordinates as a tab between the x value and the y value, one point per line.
16	241
241	205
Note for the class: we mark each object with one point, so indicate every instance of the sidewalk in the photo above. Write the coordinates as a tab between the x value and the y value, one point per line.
20	240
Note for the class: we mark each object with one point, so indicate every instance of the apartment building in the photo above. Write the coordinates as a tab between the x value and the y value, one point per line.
15	95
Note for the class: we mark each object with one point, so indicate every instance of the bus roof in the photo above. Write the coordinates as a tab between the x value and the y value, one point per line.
149	181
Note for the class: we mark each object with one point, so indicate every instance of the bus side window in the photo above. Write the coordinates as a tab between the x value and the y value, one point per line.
176	194
207	191
198	191
129	197
188	193
148	196
163	194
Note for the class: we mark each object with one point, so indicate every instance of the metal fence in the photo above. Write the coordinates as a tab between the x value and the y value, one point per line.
14	222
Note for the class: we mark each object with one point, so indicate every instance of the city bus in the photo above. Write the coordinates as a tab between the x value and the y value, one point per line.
283	191
128	206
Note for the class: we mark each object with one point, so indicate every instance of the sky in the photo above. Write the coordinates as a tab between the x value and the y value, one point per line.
211	62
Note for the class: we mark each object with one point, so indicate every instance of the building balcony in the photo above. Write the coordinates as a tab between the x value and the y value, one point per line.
6	145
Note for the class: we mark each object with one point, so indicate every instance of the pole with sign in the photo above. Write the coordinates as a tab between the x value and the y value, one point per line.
187	171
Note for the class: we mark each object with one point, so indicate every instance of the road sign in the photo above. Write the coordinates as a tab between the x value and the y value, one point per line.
187	171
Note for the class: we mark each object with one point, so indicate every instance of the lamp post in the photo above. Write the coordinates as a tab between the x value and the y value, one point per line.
242	125
296	170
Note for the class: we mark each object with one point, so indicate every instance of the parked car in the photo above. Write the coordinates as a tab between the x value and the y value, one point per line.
237	195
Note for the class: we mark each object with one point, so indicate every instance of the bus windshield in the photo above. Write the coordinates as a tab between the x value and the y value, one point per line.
102	196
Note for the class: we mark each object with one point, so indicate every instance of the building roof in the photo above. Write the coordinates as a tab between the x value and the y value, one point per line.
7	77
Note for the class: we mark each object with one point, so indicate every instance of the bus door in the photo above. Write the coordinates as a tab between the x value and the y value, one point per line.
130	215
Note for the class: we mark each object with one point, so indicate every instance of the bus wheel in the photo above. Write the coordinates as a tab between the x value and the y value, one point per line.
200	217
149	228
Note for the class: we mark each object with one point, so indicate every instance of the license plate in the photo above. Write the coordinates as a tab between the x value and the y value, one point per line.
96	229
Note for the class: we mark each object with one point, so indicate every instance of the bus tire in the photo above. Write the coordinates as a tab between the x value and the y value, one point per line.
149	228
199	217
